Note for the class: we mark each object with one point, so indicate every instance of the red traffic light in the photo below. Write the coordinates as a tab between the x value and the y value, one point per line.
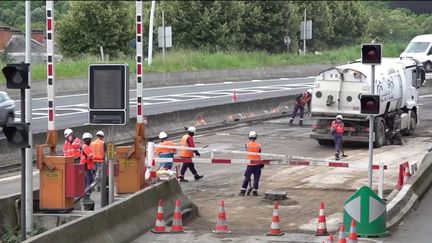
370	104
16	134
371	53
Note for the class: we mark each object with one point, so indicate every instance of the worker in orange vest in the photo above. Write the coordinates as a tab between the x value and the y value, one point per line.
187	141
99	148
300	101
255	169
87	157
337	130
165	152
71	146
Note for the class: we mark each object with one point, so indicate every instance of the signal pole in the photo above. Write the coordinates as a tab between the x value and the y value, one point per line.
371	130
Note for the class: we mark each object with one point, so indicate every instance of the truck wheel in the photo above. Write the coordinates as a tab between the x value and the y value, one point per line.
379	133
325	142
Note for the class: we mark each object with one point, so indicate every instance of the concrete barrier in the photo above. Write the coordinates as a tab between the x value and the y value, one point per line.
123	220
80	85
173	122
416	186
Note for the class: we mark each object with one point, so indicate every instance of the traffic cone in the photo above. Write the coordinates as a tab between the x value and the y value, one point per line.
352	237
330	238
159	227
407	175
274	228
322	227
400	179
177	225
234	96
221	223
342	238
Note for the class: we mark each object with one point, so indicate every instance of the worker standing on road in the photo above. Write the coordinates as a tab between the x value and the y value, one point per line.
255	169
71	146
165	152
187	141
98	147
337	129
87	157
300	101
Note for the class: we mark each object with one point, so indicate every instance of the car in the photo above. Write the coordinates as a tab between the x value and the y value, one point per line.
7	109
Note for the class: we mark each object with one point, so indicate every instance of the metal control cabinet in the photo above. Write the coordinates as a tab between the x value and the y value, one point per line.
74	180
131	171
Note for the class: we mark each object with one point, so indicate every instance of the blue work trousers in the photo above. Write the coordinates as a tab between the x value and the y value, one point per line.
337	137
254	170
296	109
88	177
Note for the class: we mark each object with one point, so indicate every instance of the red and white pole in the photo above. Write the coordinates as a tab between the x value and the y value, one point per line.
139	59
50	62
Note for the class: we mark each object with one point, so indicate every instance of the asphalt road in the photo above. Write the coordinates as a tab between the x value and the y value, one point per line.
71	110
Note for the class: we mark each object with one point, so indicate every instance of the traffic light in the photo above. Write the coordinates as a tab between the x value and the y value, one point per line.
16	75
16	134
108	94
370	104
371	53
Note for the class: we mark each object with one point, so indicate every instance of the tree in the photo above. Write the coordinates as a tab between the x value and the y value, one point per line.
91	24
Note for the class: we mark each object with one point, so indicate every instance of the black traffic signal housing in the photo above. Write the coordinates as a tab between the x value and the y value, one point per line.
370	104
17	134
371	53
16	75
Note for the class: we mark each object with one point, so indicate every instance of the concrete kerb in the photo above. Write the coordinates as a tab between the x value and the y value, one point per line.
416	186
123	220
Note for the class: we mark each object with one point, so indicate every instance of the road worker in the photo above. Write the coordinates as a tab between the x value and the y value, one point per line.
187	141
87	158
337	130
255	169
165	152
99	148
300	101
71	146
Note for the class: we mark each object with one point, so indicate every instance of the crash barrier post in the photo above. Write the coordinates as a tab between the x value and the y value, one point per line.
381	179
406	170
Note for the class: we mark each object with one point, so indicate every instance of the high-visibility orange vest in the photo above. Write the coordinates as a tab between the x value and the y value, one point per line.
306	97
87	157
165	150
338	126
255	147
97	147
183	143
72	149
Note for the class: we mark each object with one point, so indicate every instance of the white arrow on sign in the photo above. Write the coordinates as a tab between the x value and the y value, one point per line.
376	209
353	209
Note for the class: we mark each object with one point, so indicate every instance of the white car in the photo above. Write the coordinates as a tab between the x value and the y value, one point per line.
7	109
420	48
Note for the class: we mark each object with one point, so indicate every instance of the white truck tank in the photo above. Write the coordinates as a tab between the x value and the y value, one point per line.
338	90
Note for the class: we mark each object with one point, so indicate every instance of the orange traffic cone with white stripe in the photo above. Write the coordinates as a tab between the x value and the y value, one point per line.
274	228
322	227
352	237
342	238
407	175
221	223
330	238
177	225
234	96
159	227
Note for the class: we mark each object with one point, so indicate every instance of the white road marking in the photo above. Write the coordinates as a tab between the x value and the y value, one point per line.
11	178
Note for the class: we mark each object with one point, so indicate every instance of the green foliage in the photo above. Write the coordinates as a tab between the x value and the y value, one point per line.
91	24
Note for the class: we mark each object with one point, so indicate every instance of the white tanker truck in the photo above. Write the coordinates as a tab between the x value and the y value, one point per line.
338	90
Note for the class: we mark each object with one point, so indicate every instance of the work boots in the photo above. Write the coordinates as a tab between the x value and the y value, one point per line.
197	177
290	121
182	179
255	193
242	193
301	123
337	156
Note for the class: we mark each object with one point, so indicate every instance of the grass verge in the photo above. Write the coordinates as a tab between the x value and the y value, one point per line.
185	60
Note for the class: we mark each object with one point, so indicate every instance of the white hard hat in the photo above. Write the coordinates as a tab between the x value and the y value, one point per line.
309	91
252	134
67	132
191	129
162	135
87	135
100	133
339	117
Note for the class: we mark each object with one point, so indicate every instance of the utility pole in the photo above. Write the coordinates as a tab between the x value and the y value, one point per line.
27	166
163	28
371	129
150	40
304	34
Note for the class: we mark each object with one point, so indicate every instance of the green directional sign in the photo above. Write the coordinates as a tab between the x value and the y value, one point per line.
369	212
